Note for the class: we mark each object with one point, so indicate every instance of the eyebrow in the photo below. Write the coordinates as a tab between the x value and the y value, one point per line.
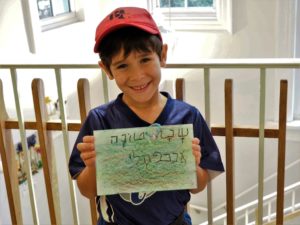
143	54
118	62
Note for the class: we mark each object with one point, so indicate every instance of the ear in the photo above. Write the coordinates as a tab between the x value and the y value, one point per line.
163	60
106	70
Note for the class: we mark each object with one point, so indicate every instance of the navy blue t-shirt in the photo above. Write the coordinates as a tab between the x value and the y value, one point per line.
162	207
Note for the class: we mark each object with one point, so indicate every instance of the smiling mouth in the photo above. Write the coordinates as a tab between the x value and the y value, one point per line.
140	87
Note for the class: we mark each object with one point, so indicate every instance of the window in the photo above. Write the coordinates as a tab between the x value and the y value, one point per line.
185	3
56	13
193	14
49	8
48	14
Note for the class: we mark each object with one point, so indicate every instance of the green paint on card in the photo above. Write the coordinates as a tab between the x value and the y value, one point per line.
146	159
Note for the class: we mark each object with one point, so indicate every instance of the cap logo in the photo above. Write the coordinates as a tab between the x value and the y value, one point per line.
119	14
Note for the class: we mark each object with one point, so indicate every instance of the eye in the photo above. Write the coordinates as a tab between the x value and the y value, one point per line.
145	59
121	66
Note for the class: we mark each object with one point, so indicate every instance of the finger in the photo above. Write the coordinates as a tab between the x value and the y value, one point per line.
88	155
88	139
196	141
196	152
86	147
196	147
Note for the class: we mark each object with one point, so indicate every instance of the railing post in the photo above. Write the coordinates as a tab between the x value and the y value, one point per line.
8	157
179	89
207	118
246	216
261	149
281	151
66	143
24	147
105	86
47	151
84	106
269	210
293	200
229	153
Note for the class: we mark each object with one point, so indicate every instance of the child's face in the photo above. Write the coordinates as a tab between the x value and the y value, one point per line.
138	76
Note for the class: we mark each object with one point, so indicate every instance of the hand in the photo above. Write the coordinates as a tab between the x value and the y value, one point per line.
202	175
196	150
87	150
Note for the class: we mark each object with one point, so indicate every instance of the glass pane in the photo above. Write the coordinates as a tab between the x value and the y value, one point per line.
60	6
50	8
44	8
200	3
171	3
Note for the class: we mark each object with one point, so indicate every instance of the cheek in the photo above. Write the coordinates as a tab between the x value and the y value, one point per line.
154	69
119	77
119	82
157	73
159	76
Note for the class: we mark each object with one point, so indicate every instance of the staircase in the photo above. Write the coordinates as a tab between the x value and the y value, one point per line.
245	213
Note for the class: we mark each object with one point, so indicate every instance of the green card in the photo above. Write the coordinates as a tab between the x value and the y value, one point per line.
145	159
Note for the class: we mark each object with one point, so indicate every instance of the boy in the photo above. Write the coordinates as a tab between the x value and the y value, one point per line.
132	53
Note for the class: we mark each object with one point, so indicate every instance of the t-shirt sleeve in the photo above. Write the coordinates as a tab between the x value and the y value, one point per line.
211	158
76	164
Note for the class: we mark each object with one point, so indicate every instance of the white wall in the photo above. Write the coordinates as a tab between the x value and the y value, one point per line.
13	37
261	29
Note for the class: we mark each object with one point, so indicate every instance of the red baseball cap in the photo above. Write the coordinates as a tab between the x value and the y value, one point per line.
123	17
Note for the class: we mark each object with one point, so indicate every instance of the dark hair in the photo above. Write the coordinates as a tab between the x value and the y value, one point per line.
130	39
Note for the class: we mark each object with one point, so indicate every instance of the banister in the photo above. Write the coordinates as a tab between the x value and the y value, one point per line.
254	203
206	64
270	63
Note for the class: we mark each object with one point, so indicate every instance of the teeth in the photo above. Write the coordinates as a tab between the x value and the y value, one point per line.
139	87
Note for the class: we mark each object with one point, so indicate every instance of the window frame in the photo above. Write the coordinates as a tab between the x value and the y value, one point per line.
60	20
33	24
216	18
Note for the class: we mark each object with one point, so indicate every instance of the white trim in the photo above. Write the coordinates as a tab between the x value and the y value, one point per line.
217	18
67	18
58	21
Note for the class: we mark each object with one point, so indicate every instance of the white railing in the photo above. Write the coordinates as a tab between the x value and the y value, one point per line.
246	210
261	65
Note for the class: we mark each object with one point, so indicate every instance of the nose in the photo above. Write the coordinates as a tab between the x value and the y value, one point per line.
137	72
